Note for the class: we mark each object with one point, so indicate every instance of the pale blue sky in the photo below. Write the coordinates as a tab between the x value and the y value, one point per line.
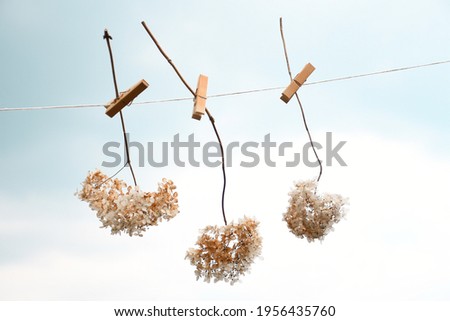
52	53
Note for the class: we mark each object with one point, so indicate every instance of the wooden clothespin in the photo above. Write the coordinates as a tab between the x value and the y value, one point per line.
297	82
200	97
117	104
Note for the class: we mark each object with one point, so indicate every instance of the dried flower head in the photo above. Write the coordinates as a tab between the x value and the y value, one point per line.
126	208
310	215
226	252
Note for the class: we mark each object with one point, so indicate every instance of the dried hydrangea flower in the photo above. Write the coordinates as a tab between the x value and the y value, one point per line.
126	208
225	252
310	215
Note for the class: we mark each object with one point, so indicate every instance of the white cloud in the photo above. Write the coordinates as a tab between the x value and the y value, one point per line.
392	244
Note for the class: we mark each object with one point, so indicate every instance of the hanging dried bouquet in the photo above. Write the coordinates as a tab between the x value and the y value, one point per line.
125	208
224	253
310	215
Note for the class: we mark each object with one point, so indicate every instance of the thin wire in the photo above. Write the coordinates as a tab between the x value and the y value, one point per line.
211	118
378	72
111	177
107	37
299	102
170	100
243	92
51	107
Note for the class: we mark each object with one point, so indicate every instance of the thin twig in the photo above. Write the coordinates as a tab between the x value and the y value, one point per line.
211	119
167	58
298	100
107	37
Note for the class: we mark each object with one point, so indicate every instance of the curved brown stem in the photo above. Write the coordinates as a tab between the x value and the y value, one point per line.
299	102
213	123
211	119
107	37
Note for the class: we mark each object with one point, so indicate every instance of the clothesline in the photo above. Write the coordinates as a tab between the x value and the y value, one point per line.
244	92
